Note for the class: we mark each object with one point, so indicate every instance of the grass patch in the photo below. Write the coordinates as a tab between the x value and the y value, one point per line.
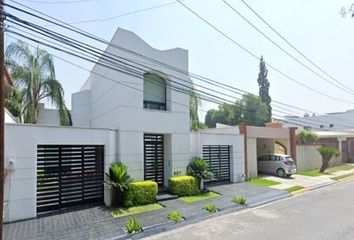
121	212
210	207
263	182
294	188
330	170
342	176
311	173
199	197
339	168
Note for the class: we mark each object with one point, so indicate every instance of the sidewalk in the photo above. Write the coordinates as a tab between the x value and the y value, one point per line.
95	222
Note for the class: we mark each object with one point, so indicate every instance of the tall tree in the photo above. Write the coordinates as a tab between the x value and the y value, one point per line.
194	103
248	110
264	87
13	103
34	77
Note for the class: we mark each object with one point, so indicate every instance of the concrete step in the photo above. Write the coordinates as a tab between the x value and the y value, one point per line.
165	197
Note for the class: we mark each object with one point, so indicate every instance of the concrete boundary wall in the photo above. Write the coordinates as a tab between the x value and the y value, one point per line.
21	147
198	139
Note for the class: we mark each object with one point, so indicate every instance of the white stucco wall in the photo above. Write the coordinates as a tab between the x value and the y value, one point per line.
252	169
198	139
48	116
21	146
111	99
307	158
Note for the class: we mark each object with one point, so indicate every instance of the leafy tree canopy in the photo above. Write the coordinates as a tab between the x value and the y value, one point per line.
249	110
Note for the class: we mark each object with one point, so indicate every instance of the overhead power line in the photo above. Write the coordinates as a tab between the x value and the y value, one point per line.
341	87
292	46
99	58
101	40
256	57
60	2
196	76
297	123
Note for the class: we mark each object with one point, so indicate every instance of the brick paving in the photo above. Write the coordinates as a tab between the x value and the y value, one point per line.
95	222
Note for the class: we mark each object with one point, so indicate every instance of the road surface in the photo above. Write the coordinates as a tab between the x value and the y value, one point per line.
323	214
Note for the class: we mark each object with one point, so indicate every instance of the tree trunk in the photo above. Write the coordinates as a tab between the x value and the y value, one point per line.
117	197
324	166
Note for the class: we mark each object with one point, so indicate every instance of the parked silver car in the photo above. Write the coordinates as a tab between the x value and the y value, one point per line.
279	164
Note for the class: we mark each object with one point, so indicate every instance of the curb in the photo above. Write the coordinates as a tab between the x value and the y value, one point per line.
300	192
345	179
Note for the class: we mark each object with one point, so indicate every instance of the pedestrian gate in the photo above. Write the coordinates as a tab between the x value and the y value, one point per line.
68	175
154	158
218	159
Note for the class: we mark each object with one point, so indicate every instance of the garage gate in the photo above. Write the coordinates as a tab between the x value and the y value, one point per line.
218	158
69	175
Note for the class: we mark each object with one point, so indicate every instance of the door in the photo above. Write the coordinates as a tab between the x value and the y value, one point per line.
69	175
218	159
154	158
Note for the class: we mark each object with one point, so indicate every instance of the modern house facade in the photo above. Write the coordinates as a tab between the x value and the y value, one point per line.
151	117
135	112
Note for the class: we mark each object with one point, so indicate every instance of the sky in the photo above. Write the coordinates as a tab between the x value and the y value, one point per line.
314	26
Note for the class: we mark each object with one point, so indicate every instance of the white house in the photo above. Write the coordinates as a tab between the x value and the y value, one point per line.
150	116
138	116
328	121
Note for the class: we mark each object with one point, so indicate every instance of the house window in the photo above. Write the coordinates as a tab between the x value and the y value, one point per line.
154	92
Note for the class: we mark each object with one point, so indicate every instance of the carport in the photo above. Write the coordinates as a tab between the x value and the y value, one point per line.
272	138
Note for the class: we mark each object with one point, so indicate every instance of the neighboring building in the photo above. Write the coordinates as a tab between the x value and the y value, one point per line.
329	121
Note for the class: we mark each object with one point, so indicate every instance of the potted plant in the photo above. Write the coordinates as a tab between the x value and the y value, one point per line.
198	168
118	180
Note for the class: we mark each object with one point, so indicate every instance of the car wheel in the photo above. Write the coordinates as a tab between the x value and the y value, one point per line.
281	172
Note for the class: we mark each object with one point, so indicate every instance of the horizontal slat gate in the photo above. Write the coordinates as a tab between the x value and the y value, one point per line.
154	158
218	158
68	175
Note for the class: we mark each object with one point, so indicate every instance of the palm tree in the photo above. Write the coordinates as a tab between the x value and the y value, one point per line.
34	77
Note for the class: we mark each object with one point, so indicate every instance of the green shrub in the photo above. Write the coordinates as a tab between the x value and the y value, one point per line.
140	193
174	216
118	180
183	185
239	200
307	138
327	154
210	207
133	226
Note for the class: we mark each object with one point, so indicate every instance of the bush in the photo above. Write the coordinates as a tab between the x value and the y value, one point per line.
133	226
327	154
239	200
183	185
140	193
119	180
210	207
174	216
307	138
198	168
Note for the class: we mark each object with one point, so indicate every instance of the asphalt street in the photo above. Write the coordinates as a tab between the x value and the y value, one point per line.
324	214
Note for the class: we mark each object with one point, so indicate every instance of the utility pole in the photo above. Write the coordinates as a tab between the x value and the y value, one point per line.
2	116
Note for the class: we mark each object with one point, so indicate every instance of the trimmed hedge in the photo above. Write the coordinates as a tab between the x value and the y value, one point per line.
183	185
140	193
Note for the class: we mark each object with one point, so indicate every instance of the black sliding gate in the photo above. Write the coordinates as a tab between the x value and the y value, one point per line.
153	158
218	158
68	175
